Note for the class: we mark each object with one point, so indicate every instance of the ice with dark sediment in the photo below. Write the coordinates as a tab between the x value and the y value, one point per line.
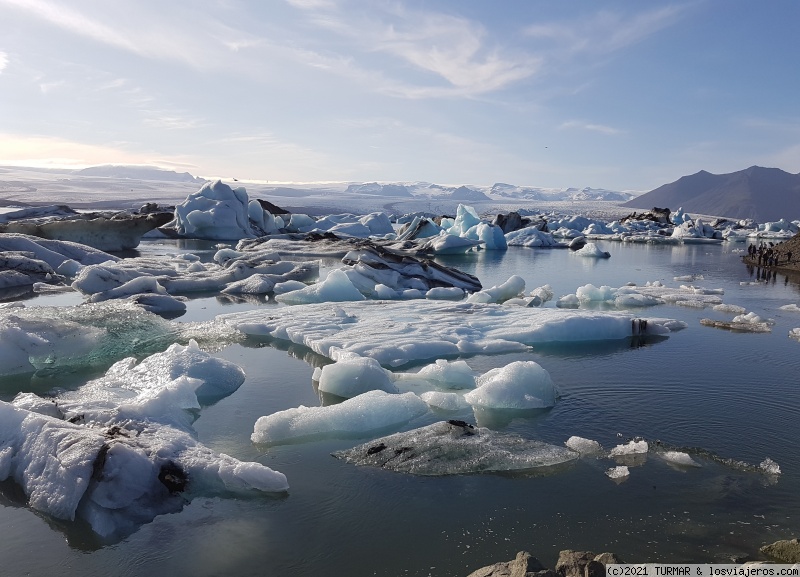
457	448
120	450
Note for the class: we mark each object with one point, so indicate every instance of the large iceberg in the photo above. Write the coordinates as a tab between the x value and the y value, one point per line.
400	332
454	448
120	450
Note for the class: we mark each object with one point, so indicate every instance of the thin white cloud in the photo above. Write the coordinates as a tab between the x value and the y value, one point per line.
3	61
592	127
172	33
606	31
454	51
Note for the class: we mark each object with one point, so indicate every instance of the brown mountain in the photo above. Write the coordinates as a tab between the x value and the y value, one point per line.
763	194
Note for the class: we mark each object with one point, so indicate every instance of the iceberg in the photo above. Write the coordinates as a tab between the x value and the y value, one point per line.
456	448
399	332
362	415
123	450
217	212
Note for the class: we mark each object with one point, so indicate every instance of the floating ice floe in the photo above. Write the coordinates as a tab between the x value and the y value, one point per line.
362	415
533	237
399	332
133	456
183	275
45	338
795	333
455	448
749	323
650	294
791	308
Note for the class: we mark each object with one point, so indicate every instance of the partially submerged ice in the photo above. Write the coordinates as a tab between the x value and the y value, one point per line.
455	448
47	338
120	450
400	332
519	385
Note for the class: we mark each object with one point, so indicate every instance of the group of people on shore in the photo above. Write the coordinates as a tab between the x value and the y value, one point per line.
765	255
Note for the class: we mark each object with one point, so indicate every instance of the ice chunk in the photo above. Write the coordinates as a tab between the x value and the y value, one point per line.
445	401
513	287
618	473
725	308
361	415
455	448
354	376
770	467
631	448
451	375
256	284
337	287
445	293
160	388
519	385
679	458
592	250
584	446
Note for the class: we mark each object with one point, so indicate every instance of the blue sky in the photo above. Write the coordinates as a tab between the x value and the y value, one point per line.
622	95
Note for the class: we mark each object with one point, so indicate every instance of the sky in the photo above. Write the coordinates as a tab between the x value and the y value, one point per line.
623	95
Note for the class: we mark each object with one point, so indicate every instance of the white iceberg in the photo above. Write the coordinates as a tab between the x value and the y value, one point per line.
399	332
519	385
350	377
361	415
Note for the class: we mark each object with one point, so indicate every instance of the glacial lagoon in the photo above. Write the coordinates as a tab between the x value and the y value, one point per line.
729	399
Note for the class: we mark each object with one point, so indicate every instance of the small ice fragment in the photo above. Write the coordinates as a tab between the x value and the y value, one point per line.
680	458
770	467
631	448
619	472
584	446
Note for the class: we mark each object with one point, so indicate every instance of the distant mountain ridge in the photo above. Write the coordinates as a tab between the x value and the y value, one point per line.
138	173
763	194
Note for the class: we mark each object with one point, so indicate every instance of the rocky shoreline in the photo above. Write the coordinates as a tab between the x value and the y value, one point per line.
787	253
588	564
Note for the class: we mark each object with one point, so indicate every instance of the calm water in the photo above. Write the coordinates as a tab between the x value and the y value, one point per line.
733	395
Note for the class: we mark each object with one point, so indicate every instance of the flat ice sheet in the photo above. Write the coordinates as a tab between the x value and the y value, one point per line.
400	332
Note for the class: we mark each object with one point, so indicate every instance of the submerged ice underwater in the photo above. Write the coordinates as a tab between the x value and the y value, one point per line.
215	455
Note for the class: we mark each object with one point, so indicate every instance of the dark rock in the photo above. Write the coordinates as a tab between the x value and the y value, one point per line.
577	243
272	208
523	565
594	569
608	558
786	551
509	222
573	563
